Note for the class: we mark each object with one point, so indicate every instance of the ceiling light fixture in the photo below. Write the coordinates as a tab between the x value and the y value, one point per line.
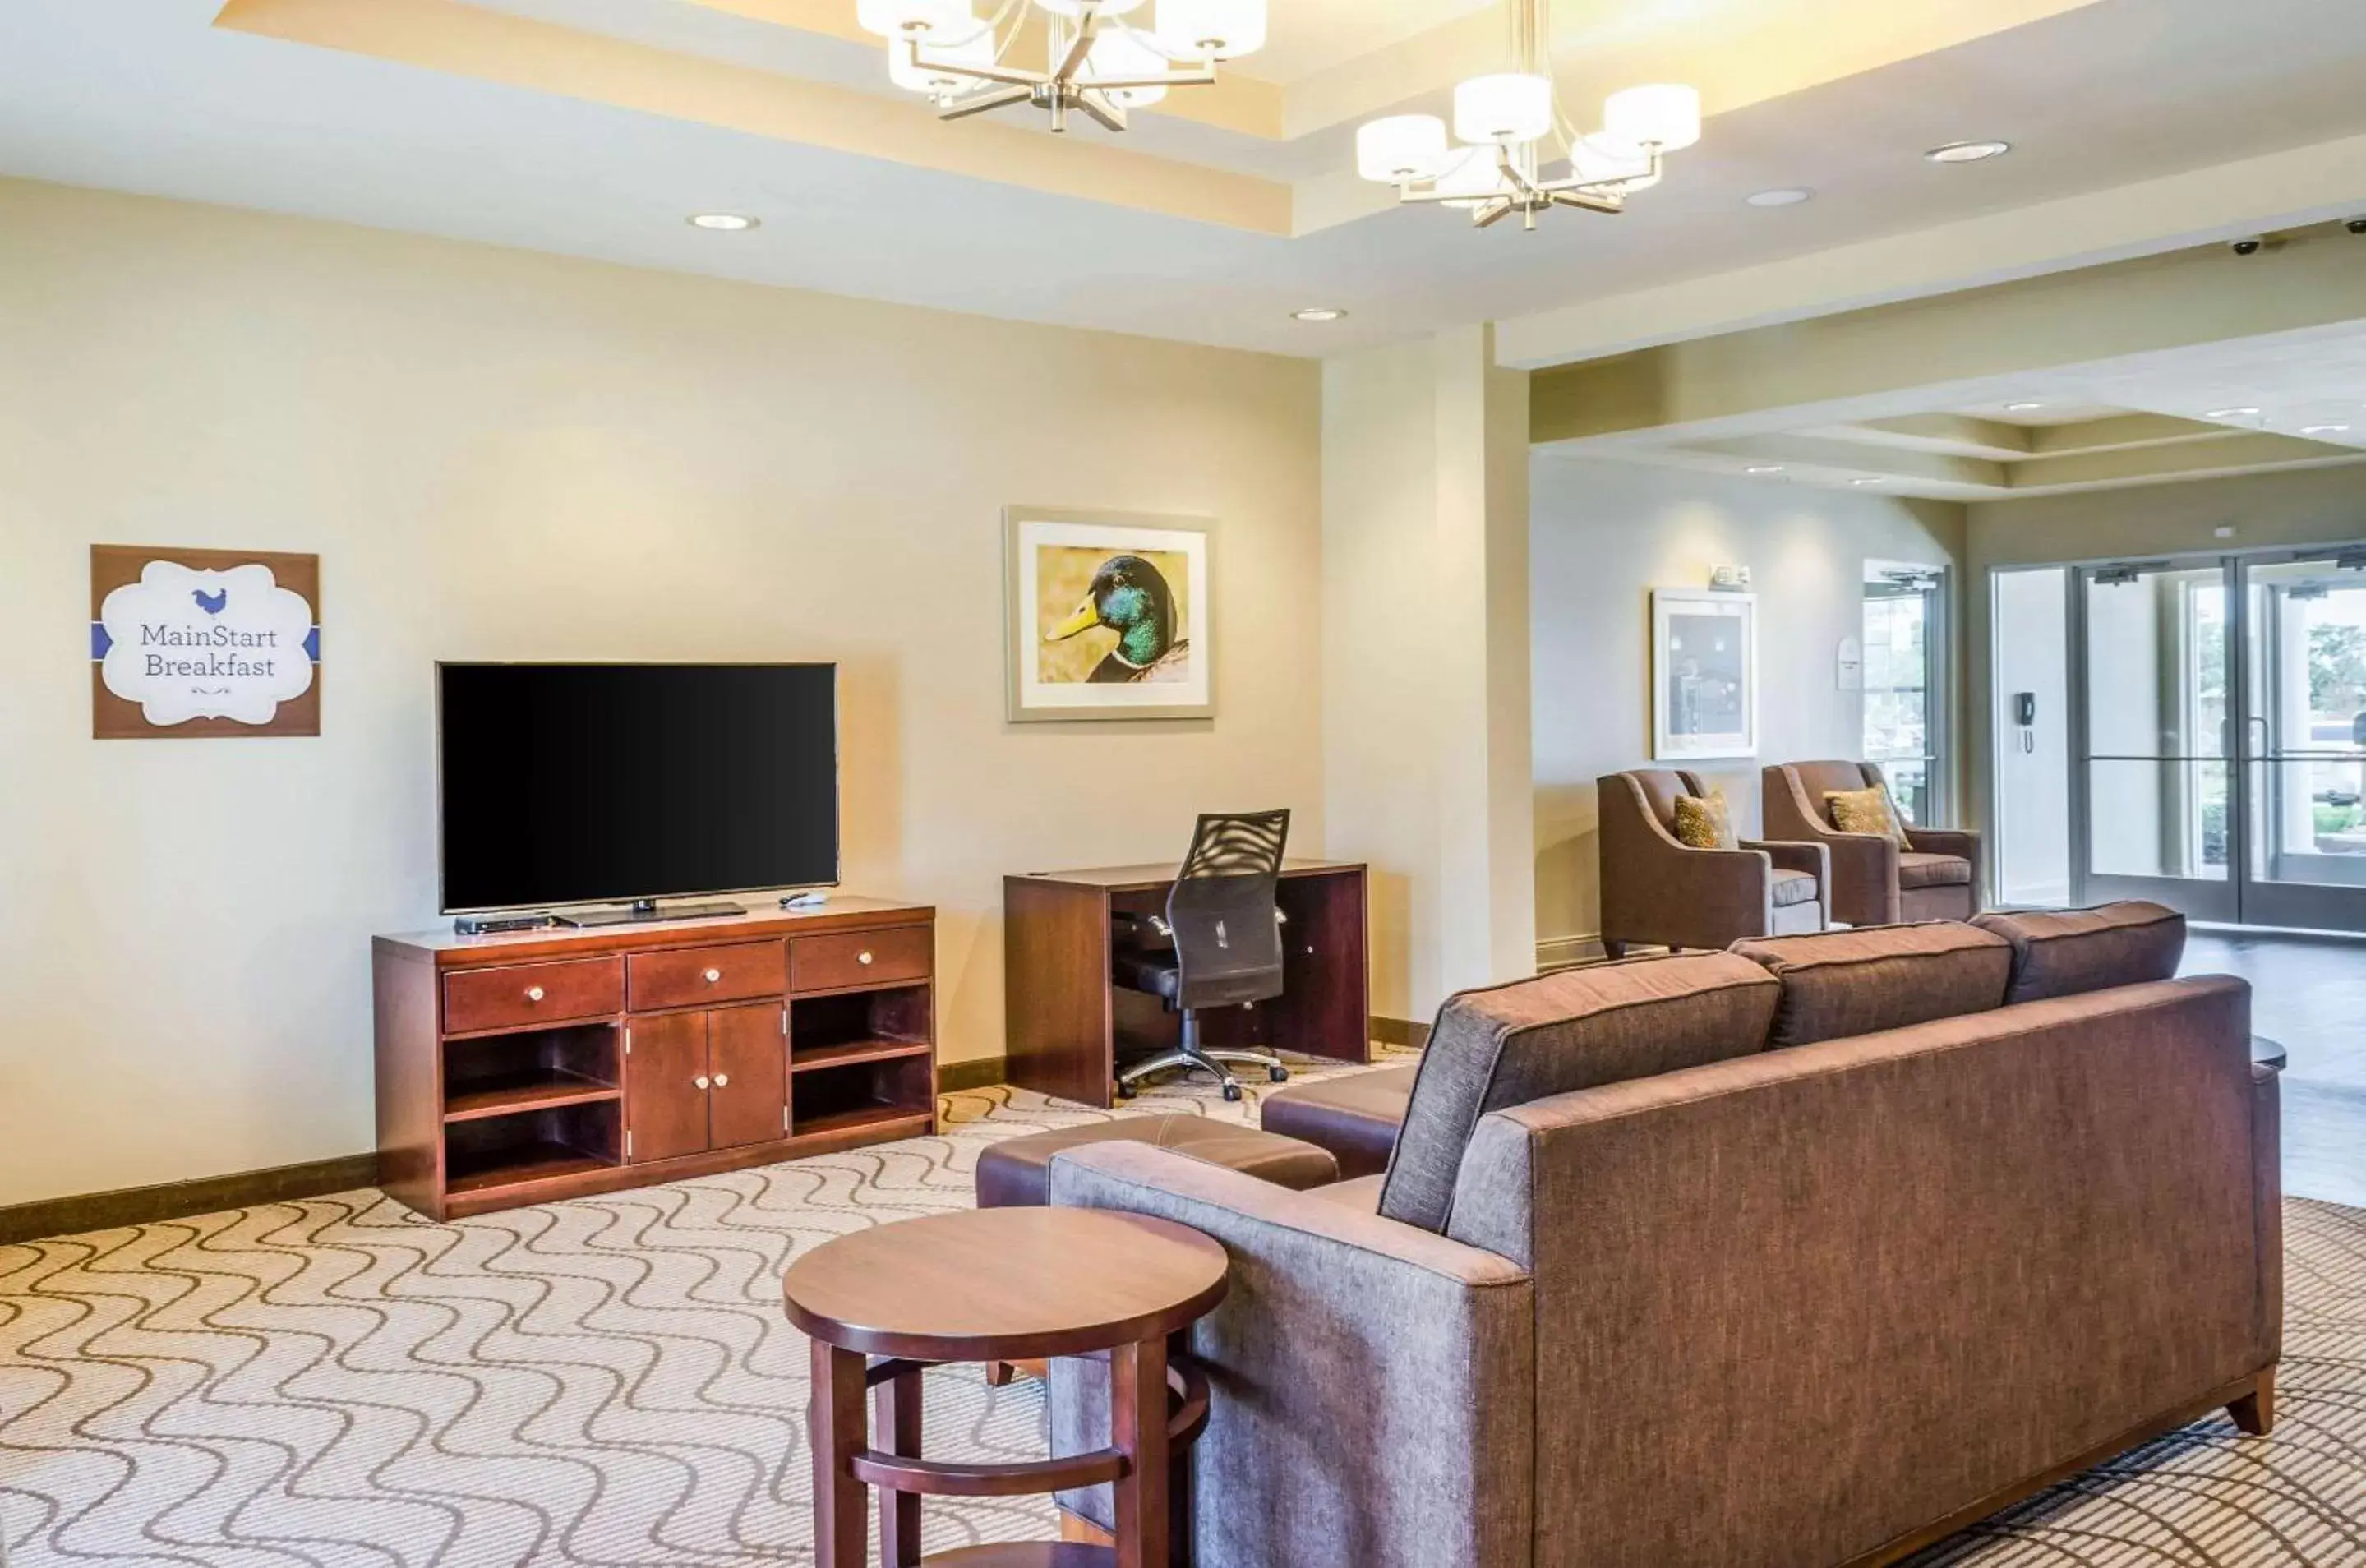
2325	429
2022	408
1763	469
1319	313
1789	196
1094	63
725	222
1510	124
1864	482
2232	414
1969	151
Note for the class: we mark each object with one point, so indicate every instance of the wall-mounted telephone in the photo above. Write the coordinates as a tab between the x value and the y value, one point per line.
2024	714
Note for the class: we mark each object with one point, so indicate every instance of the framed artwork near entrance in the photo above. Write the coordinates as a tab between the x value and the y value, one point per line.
1703	674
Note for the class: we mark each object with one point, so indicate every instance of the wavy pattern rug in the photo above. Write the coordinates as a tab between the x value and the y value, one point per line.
608	1383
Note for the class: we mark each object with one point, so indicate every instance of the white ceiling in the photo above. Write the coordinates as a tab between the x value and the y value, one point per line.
146	96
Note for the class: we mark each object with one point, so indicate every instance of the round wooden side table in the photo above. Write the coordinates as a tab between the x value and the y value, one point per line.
1000	1285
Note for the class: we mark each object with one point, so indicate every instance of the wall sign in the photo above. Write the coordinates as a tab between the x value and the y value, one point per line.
198	643
1848	666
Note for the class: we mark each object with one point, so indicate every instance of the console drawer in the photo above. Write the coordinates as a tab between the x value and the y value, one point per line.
528	994
861	958
691	976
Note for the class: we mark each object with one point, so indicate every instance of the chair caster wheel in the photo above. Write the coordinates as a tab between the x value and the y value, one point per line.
1125	1091
1233	1092
1279	1074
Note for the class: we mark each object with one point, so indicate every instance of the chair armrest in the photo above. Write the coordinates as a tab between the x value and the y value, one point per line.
1372	1384
1959	841
2268	1206
1814	858
1863	889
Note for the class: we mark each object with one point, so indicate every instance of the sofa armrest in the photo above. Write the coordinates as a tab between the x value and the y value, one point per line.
1372	1383
2268	1206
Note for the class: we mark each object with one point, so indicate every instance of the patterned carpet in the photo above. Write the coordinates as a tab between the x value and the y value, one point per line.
610	1382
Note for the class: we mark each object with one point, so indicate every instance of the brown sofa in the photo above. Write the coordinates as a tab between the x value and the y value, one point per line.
1873	883
1791	1307
1657	889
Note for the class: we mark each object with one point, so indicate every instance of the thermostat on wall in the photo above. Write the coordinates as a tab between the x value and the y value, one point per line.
1729	579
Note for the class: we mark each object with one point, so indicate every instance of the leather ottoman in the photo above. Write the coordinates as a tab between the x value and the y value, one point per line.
1355	1117
1016	1172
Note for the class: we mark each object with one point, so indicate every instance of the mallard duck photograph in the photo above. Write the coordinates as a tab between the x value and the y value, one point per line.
1124	628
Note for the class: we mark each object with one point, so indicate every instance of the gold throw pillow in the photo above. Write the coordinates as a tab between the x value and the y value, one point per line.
1866	811
1703	822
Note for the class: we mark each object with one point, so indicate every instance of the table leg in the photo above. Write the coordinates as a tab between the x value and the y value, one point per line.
898	1403
1138	1429
835	1424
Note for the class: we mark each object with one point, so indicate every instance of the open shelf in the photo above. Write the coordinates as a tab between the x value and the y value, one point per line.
535	1143
529	1070
854	1053
858	1018
860	1092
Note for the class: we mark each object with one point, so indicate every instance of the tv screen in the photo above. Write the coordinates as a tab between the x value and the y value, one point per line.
583	784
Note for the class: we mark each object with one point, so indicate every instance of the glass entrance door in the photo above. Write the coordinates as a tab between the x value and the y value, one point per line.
2154	788
2304	741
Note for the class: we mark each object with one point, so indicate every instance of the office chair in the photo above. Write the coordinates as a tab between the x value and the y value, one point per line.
1226	932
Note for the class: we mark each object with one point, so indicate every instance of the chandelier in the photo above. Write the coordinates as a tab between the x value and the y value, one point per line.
1094	62
1510	126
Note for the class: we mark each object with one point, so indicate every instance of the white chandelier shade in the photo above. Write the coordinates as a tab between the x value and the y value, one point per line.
935	68
1078	7
1510	128
936	19
1118	56
1218	30
1505	109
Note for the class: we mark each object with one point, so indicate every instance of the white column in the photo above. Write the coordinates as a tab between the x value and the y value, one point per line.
1427	771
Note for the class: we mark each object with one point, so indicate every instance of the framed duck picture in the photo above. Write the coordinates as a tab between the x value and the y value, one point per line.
1109	615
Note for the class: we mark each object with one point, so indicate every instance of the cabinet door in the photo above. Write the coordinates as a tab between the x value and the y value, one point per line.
665	1087
749	1051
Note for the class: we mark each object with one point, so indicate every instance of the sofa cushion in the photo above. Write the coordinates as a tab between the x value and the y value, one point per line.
2061	952
1016	1172
1855	982
1918	869
1510	1044
1355	1117
1792	887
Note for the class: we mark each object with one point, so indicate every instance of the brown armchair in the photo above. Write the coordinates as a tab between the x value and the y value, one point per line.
1656	888
1874	881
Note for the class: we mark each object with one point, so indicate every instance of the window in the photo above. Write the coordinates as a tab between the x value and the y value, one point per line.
1905	683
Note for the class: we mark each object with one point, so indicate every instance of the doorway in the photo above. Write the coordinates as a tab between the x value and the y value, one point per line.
2188	731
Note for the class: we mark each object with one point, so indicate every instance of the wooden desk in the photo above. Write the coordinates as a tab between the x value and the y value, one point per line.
1066	1023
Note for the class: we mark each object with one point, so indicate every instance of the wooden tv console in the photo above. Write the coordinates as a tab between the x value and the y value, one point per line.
538	1065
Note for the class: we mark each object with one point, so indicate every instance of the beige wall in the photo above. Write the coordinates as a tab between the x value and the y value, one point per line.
1604	534
2315	506
503	455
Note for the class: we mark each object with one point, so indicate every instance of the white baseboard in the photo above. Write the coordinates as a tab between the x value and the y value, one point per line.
1562	951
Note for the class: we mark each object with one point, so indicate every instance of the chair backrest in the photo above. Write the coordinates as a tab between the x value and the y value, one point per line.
1817	779
1227	942
1656	789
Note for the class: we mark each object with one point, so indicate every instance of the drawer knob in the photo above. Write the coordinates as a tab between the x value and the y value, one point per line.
533	993
864	957
723	1080
700	1082
713	976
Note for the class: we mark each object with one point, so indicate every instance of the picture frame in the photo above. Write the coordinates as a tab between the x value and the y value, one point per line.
1109	616
1704	675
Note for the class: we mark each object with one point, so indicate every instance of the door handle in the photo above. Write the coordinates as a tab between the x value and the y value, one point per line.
700	1081
723	1080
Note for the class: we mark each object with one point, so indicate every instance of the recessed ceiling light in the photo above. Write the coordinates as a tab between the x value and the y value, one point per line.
2232	414
2324	430
1763	469
1790	196
1319	313
1864	482
2022	408
1969	151
725	222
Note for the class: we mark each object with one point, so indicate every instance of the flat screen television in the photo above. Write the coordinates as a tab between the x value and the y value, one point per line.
588	784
